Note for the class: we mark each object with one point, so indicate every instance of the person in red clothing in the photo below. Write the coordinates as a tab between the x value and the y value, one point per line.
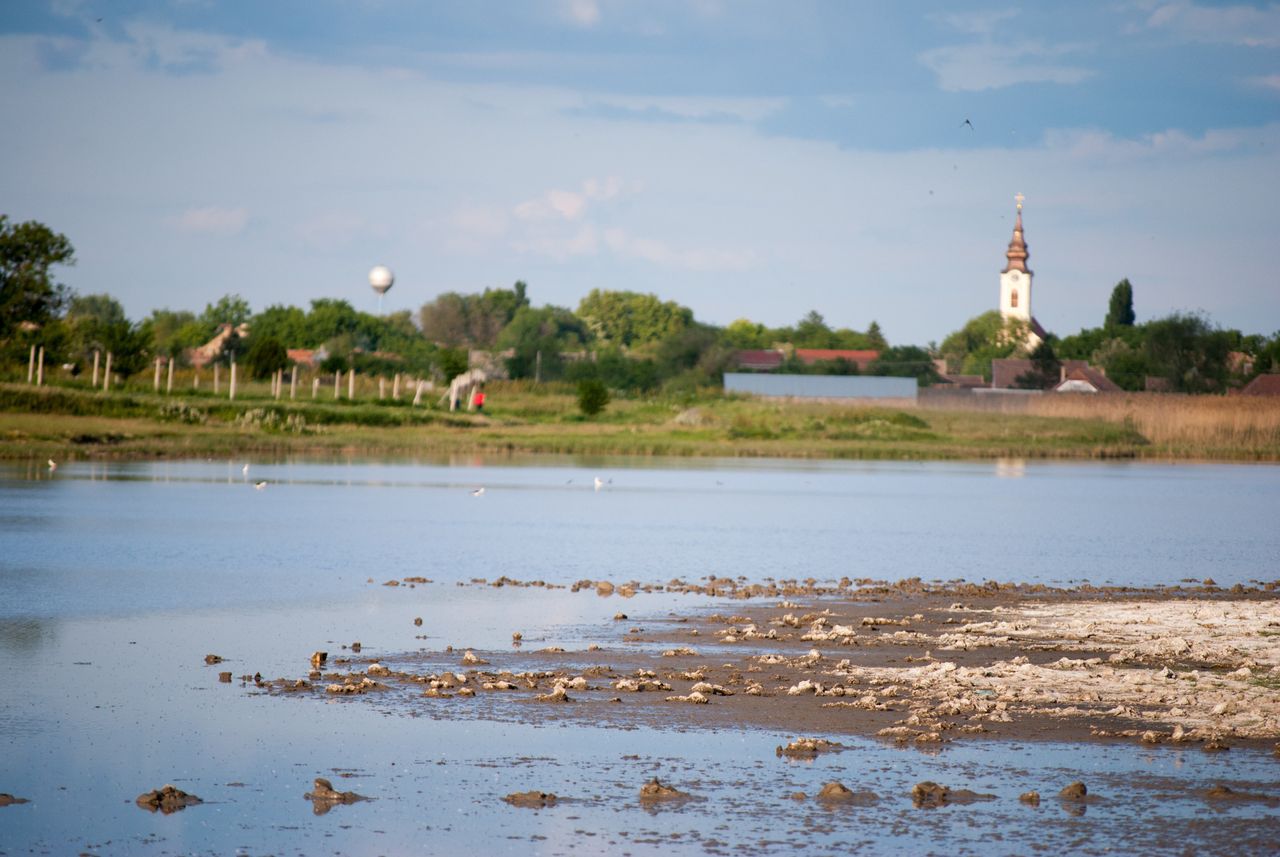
477	399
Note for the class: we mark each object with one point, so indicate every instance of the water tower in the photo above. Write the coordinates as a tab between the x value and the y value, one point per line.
381	279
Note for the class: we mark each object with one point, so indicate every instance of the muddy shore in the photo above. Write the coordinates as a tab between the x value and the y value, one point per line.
906	663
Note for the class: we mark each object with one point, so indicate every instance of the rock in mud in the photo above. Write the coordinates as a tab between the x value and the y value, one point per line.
835	791
167	799
471	659
808	748
531	799
557	694
225	677
212	659
324	797
318	659
929	793
655	790
7	799
418	621
1075	791
695	698
1031	797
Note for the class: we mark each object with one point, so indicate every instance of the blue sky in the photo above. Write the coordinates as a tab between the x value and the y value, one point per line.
747	159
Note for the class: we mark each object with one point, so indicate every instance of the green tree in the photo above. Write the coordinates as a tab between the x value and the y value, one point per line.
171	333
286	324
746	334
982	339
876	338
1120	310
454	320
1045	369
593	396
629	319
905	361
28	294
98	323
230	309
1188	351
538	337
265	356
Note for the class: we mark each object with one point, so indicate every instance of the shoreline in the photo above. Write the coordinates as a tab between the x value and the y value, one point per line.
912	668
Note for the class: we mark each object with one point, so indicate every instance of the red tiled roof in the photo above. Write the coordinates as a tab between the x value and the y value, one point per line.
759	359
1093	377
1263	385
814	355
302	356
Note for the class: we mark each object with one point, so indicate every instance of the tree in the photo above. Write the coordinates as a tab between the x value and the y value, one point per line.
630	319
170	333
230	309
905	361
28	294
876	337
593	396
1045	369
746	334
287	324
98	323
1120	311
265	356
454	320
1188	351
982	339
538	337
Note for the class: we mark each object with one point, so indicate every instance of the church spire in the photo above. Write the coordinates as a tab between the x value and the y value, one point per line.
1017	253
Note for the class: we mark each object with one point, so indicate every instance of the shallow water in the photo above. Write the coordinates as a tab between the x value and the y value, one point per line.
117	579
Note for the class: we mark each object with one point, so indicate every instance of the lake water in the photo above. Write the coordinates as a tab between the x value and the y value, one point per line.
116	579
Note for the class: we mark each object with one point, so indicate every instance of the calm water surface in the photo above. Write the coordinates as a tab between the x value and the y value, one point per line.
117	579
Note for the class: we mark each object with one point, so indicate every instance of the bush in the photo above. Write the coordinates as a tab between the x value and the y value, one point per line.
593	396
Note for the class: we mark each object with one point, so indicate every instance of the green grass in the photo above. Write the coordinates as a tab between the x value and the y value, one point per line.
68	421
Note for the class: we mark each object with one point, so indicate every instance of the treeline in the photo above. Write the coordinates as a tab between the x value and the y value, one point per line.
627	340
1180	352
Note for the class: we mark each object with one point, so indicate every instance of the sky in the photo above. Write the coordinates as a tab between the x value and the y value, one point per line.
747	159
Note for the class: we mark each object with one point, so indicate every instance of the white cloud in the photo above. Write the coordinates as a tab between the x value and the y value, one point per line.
995	65
568	204
660	253
1249	26
1165	146
213	220
981	23
1270	81
583	13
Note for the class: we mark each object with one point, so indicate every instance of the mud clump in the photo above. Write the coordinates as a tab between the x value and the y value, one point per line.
531	799
318	659
808	748
1075	791
210	660
324	797
418	621
168	799
1031	798
7	799
655	790
225	677
929	794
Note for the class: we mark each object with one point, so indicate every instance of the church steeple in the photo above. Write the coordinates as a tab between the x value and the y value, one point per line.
1017	253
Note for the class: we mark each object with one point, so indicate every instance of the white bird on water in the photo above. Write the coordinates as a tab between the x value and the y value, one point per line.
599	483
258	486
53	465
245	469
479	492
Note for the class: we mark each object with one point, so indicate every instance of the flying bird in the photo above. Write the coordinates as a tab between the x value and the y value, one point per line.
967	122
479	492
258	486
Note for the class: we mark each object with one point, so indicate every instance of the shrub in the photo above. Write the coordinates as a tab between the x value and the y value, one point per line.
593	396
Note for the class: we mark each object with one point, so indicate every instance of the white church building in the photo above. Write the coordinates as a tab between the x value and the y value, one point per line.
1015	284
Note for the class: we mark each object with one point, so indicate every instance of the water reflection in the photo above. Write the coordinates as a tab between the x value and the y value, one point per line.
1011	468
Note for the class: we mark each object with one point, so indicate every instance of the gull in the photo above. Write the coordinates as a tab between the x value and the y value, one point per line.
245	469
53	465
479	492
967	122
258	486
599	483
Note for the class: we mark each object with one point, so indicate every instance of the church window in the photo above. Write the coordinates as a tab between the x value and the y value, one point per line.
1013	299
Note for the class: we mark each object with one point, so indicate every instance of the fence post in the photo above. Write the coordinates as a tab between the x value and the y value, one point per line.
382	388
217	386
293	382
157	381
96	354
169	385
233	379
395	387
31	366
351	384
40	368
315	386
337	385
106	377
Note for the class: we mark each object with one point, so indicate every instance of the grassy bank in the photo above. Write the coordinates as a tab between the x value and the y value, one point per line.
66	422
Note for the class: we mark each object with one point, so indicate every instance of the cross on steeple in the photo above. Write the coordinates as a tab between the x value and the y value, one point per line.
1018	198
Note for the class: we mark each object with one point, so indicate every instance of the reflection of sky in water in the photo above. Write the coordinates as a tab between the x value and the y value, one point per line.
118	579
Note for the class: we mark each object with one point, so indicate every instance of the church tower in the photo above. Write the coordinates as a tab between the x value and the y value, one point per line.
1015	279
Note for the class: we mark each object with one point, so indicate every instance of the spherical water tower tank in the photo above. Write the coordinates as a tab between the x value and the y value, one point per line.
381	279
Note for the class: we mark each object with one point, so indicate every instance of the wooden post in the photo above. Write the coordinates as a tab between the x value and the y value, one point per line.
293	382
382	387
40	368
169	386
195	380
157	383
537	368
351	384
217	386
315	386
31	366
233	379
106	376
395	387
96	354
277	382
417	397
337	385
